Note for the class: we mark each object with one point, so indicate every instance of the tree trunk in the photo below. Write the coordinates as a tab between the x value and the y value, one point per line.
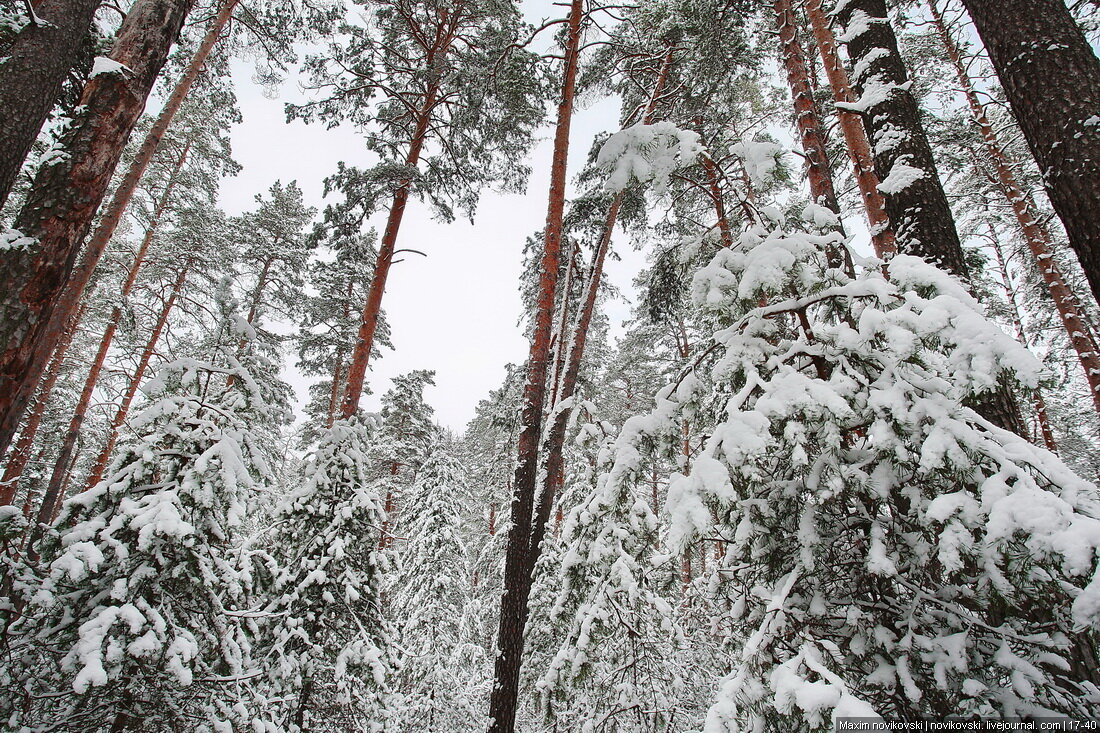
566	382
1021	336
806	119
719	201
68	444
1051	77
915	200
120	200
20	456
1036	234
34	71
334	392
104	457
360	359
65	197
517	576
855	137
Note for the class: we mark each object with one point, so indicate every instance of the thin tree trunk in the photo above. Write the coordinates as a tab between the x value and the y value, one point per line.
357	371
68	444
124	193
64	199
1037	236
20	456
1021	336
855	137
51	499
1051	77
809	124
34	71
104	457
517	576
334	391
554	477
724	228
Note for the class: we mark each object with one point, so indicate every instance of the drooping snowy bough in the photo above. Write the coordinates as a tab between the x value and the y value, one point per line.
145	614
886	550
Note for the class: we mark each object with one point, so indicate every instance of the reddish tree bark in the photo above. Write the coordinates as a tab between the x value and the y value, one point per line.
809	125
1036	234
715	191
65	197
20	456
34	72
96	474
360	359
64	458
517	575
1017	321
1051	77
855	137
567	381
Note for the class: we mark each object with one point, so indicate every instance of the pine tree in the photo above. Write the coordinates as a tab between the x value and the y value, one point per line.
1055	97
35	66
431	128
144	611
41	249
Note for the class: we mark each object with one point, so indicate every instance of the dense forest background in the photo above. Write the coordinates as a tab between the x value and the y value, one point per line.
803	415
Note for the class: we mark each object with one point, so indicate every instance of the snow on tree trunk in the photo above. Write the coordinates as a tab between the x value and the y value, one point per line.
39	254
855	137
915	199
809	125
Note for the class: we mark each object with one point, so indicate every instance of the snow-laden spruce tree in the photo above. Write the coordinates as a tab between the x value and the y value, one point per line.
326	648
144	616
430	598
618	667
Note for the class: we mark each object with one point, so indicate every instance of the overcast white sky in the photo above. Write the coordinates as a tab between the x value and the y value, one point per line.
455	311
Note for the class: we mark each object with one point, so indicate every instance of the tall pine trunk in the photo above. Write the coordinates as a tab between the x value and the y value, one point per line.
33	72
123	410
360	359
566	381
809	125
1051	77
1041	415
68	444
517	576
51	499
64	199
21	454
124	193
855	137
1036	234
915	199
